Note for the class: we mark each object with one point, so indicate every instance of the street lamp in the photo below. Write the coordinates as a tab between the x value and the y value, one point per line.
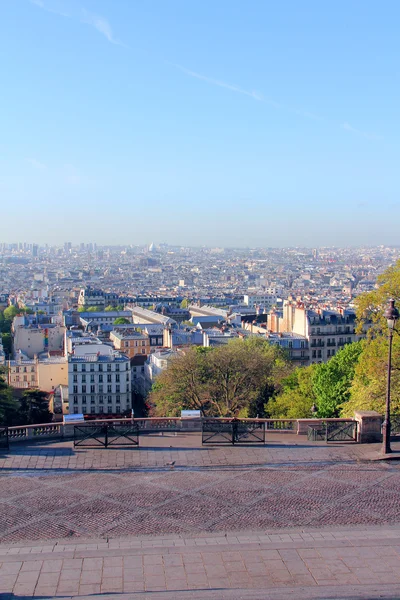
391	315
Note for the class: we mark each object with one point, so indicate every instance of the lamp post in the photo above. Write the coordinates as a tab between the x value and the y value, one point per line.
391	315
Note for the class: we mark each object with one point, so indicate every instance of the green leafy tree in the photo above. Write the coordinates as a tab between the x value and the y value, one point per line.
121	321
9	414
6	340
109	308
231	380
94	309
119	307
332	381
372	305
81	309
34	407
296	396
10	312
185	303
368	390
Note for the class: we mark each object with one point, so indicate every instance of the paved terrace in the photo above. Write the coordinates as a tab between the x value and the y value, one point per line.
223	522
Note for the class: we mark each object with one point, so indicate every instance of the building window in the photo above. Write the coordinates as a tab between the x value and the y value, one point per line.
75	378
127	367
101	378
92	367
17	369
100	367
109	399
109	410
83	399
101	388
109	378
109	388
118	409
83	378
83	367
314	354
92	401
92	389
83	389
92	379
74	367
93	410
117	367
75	389
117	377
117	388
118	399
108	367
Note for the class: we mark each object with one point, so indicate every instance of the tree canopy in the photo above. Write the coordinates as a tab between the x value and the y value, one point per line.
372	305
34	407
121	321
236	379
332	381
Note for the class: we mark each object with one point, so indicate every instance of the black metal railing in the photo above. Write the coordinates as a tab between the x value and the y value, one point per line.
328	431
106	435
232	431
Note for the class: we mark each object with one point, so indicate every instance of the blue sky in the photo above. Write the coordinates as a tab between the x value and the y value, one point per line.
220	122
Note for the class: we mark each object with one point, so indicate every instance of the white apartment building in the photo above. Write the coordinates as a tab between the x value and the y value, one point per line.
99	383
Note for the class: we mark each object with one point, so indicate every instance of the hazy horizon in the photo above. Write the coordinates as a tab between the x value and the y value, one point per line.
220	124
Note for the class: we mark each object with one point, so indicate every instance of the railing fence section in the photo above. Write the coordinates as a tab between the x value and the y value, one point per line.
106	435
329	431
233	431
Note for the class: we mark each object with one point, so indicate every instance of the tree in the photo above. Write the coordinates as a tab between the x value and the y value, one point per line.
368	390
232	380
10	312
8	406
332	381
183	385
34	407
372	305
297	395
94	309
185	303
81	309
7	343
109	308
121	321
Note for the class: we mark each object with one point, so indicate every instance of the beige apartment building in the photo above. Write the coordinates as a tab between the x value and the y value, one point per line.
44	374
327	331
130	342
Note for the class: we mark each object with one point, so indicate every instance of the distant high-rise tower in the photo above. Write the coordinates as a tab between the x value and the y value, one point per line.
315	254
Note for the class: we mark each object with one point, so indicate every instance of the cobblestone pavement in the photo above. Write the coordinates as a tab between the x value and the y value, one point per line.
54	492
219	523
332	563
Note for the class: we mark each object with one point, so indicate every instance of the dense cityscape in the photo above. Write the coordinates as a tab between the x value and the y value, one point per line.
86	308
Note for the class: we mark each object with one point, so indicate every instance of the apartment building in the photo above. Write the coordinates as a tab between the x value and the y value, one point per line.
44	374
130	342
99	383
327	331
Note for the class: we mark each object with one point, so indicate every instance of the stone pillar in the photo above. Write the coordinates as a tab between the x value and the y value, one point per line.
369	426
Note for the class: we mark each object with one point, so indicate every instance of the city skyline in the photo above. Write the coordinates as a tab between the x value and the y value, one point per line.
220	125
